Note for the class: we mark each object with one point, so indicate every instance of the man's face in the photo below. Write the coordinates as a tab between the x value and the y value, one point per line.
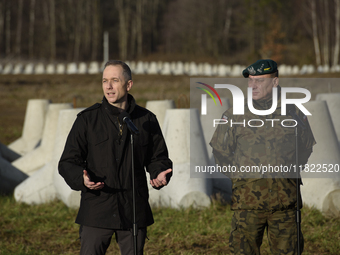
115	87
262	85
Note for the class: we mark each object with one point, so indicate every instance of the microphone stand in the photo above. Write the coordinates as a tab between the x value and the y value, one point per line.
134	226
298	212
125	117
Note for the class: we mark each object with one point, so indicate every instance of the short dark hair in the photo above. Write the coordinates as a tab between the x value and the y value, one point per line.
276	74
126	69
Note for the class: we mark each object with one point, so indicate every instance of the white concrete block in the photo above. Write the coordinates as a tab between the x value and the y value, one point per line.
310	69
333	103
214	70
178	68
33	126
82	68
94	68
39	69
132	65
8	69
200	69
70	197
295	70
37	158
140	69
184	191
159	108
60	68
71	68
193	69
289	70
236	70
221	183
221	70
322	193
207	69
152	69
50	68
40	187
165	69
29	68
18	68
187	68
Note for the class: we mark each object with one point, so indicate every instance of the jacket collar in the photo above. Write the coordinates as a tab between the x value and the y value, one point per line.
116	111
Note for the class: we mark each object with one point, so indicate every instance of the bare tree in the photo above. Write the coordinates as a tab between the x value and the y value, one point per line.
52	31
315	33
31	30
123	13
19	29
337	33
326	28
95	29
139	8
8	28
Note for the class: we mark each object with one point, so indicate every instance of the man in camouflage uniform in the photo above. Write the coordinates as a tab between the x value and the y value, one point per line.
263	200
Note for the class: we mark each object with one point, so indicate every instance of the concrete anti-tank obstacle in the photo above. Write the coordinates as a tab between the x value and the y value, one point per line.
333	103
46	184
33	126
323	192
159	107
221	183
184	191
70	197
35	159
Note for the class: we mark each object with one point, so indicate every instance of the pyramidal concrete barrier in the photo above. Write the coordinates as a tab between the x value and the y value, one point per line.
221	183
333	103
38	157
322	193
184	191
46	184
70	197
33	126
159	108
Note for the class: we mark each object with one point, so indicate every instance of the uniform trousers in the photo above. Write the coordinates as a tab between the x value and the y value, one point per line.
248	226
95	241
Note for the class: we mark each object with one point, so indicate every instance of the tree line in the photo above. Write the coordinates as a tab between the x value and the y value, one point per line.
225	31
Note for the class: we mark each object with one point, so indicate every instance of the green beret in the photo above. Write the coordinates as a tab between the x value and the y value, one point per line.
260	67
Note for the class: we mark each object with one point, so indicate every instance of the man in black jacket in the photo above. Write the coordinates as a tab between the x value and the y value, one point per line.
97	161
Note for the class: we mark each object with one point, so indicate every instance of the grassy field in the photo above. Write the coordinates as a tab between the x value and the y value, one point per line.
50	228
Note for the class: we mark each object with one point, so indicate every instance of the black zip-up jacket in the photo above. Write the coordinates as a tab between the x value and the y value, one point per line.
100	144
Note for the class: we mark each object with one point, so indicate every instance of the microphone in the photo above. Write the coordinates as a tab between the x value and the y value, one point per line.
125	117
292	113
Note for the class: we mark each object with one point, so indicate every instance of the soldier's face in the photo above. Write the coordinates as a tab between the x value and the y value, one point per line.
262	86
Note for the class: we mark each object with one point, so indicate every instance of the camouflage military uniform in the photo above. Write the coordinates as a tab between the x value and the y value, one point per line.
262	200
